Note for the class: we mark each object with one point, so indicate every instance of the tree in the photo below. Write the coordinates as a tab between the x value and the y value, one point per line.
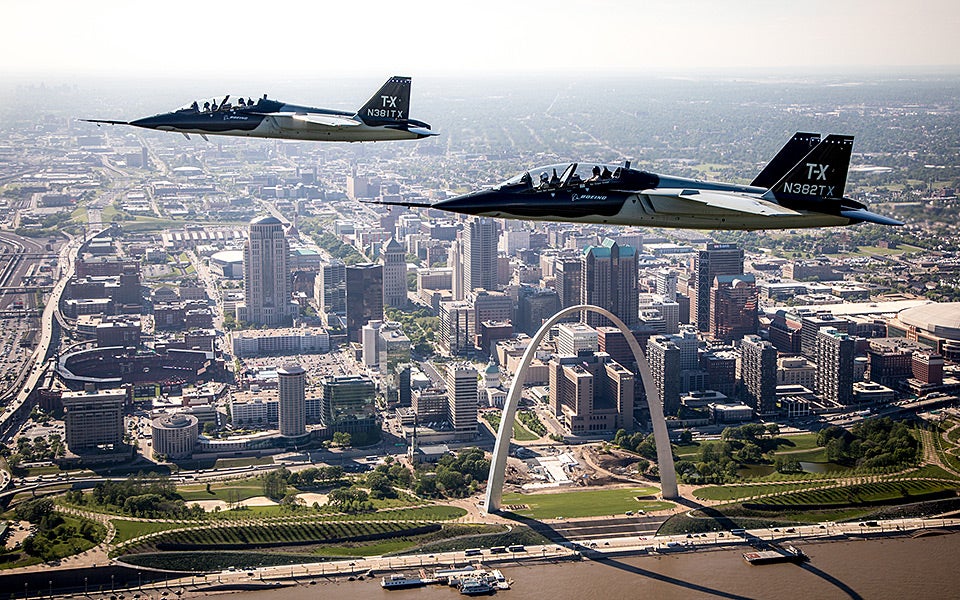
342	439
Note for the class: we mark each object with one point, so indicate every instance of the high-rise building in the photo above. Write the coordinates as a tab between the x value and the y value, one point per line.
609	280
456	263
716	259
733	307
569	275
292	409
591	392
835	354
535	307
928	368
174	436
810	326
667	284
330	288
784	333
266	275
491	306
93	418
348	404
394	260
456	327
364	283
462	397
480	254
663	355
758	372
574	338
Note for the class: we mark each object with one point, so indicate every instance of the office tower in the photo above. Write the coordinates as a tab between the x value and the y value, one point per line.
759	374
733	307
810	327
394	261
890	365
93	418
610	281
462	397
491	306
330	287
174	436
568	272
716	259
292	409
668	312
928	368
590	393
574	338
612	341
456	327
536	306
266	276
667	284
663	354
368	344
456	262
480	254
720	366
347	404
364	297
784	333
835	354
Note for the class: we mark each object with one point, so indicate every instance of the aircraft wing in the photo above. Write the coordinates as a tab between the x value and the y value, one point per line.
326	120
398	203
727	201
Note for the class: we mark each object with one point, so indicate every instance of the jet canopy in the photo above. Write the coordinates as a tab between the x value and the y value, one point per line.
563	175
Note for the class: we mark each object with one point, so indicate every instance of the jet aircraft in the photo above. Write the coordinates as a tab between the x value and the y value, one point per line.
802	186
384	117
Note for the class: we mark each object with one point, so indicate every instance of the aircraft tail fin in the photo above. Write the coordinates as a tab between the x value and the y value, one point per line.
792	152
390	104
820	175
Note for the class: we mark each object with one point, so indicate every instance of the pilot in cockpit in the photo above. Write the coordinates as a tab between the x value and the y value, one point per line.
544	179
595	176
241	102
206	107
195	107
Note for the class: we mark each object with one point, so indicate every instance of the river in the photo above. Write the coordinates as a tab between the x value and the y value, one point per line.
881	568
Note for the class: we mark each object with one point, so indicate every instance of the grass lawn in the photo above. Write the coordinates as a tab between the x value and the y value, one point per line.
229	491
735	492
127	530
862	493
520	433
586	503
794	443
687	451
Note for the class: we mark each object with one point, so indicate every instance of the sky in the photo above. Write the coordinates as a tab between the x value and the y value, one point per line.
200	39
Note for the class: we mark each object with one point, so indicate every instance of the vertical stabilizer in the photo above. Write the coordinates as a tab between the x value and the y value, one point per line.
390	104
820	175
795	149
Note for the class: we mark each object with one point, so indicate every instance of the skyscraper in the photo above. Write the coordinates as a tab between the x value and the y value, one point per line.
569	275
93	418
667	284
394	260
835	354
266	276
330	287
364	297
456	262
759	374
716	259
480	254
733	307
591	393
347	404
292	409
462	397
609	280
664	357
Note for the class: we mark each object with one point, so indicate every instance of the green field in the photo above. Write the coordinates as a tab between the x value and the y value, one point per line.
859	494
736	492
520	433
687	451
586	503
127	530
795	443
230	491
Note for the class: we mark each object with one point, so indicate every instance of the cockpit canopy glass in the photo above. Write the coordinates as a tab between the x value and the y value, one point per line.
564	174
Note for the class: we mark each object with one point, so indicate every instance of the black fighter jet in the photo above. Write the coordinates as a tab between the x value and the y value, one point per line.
802	186
384	117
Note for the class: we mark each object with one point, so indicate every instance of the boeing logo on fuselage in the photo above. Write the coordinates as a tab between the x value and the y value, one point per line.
587	197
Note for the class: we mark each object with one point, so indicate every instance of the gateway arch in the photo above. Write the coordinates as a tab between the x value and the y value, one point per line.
498	465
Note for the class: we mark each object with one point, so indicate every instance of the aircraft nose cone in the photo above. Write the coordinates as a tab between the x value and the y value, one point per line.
474	203
150	122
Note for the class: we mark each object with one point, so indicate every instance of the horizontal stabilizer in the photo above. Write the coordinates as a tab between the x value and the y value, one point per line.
399	203
735	202
105	121
863	215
